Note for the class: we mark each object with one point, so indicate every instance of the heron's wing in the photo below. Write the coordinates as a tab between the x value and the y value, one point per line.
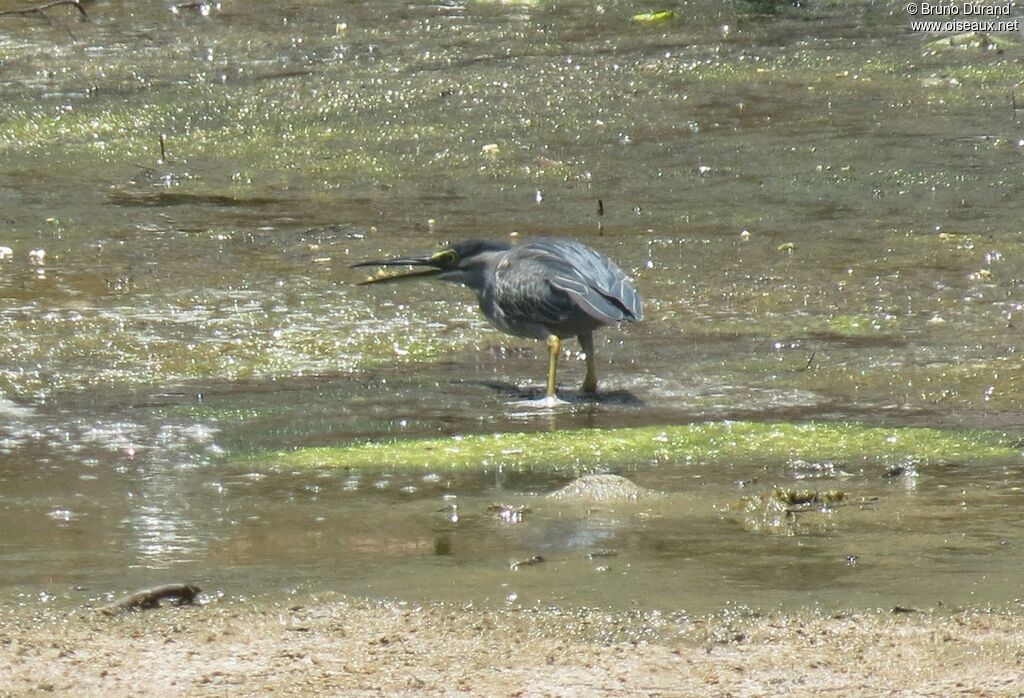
624	294
549	280
595	303
590	279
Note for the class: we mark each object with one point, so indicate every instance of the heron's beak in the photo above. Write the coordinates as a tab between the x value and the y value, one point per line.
383	277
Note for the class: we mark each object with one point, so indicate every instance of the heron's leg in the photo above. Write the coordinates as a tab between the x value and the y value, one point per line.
590	382
554	345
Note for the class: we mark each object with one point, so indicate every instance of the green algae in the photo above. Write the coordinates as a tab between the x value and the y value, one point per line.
709	442
272	123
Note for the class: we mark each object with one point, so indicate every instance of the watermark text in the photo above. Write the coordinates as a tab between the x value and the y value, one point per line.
962	17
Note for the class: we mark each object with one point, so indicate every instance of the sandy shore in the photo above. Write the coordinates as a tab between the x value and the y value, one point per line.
341	646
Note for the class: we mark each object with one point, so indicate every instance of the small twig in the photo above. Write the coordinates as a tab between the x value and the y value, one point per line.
600	217
163	153
41	9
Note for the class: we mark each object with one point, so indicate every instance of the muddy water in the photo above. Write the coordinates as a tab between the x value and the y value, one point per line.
821	211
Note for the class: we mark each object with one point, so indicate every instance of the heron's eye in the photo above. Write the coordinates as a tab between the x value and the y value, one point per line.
446	258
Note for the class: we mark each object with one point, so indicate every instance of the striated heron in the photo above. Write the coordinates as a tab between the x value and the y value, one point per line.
546	288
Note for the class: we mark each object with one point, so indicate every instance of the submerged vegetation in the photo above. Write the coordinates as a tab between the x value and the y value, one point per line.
340	112
189	140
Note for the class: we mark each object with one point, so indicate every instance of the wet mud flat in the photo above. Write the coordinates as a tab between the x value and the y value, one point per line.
338	645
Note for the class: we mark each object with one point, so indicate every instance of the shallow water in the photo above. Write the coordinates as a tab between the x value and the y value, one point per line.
192	308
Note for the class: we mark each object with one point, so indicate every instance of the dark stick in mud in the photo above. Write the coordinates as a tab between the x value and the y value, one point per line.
41	9
179	594
810	360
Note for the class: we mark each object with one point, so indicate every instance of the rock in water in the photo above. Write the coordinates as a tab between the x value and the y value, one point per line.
603	488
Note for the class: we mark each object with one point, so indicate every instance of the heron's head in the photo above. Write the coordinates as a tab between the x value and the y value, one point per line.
463	263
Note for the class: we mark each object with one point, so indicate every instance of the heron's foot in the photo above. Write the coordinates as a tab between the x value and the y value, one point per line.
547	402
589	386
550	402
